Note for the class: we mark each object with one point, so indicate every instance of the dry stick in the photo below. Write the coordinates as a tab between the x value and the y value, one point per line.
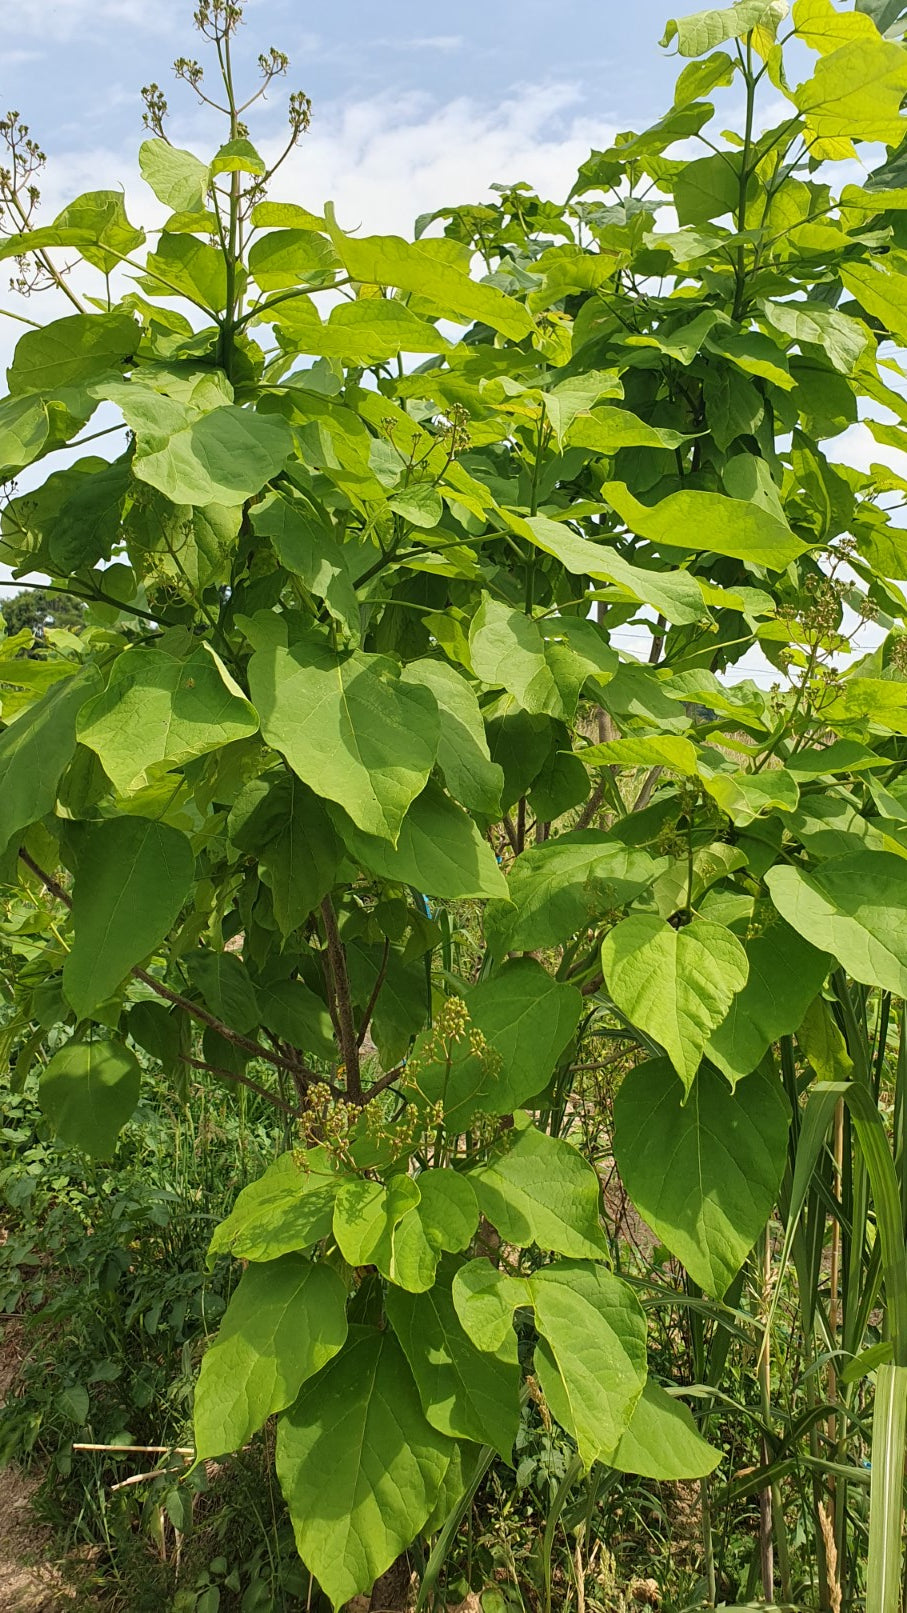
255	1049
141	1478
342	1002
833	1583
139	1450
771	1512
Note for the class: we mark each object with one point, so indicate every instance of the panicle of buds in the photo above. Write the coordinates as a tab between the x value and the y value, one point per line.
155	108
19	198
273	62
300	113
218	19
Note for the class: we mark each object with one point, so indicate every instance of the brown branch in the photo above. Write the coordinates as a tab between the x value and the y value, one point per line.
254	1049
645	794
592	806
248	1045
510	832
376	992
51	884
244	1081
341	1001
382	1085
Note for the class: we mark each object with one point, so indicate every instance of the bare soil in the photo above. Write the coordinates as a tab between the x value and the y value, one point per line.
30	1580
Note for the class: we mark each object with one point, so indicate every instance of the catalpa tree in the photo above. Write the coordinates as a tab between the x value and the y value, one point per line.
346	793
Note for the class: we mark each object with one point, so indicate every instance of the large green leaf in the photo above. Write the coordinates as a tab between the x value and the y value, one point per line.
290	1207
528	1019
100	218
388	260
309	549
704	30
284	258
744	795
564	886
284	1322
378	1225
223	457
36	750
507	650
676	985
785	973
539	1189
591	1359
703	1172
278	820
660	750
223	982
882	291
24	430
349	727
359	1464
183	264
403	1227
609	430
471	776
71	351
466	1392
707	521
133	876
162	707
675	594
862	705
841	338
358	333
855	93
88	1092
708	188
298	1016
854	907
178	179
662	1441
439	850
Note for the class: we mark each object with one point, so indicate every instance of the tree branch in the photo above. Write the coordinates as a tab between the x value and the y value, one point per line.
244	1081
254	1049
341	1001
376	992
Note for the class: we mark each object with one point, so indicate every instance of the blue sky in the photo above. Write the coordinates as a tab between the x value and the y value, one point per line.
415	106
470	86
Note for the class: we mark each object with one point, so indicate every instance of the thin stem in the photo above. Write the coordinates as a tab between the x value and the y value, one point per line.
740	273
376	992
244	1081
254	1049
341	1002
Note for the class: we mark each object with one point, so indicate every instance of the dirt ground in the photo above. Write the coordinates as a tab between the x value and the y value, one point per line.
29	1580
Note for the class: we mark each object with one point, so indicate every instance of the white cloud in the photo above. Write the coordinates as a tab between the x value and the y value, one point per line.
61	20
384	161
443	42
